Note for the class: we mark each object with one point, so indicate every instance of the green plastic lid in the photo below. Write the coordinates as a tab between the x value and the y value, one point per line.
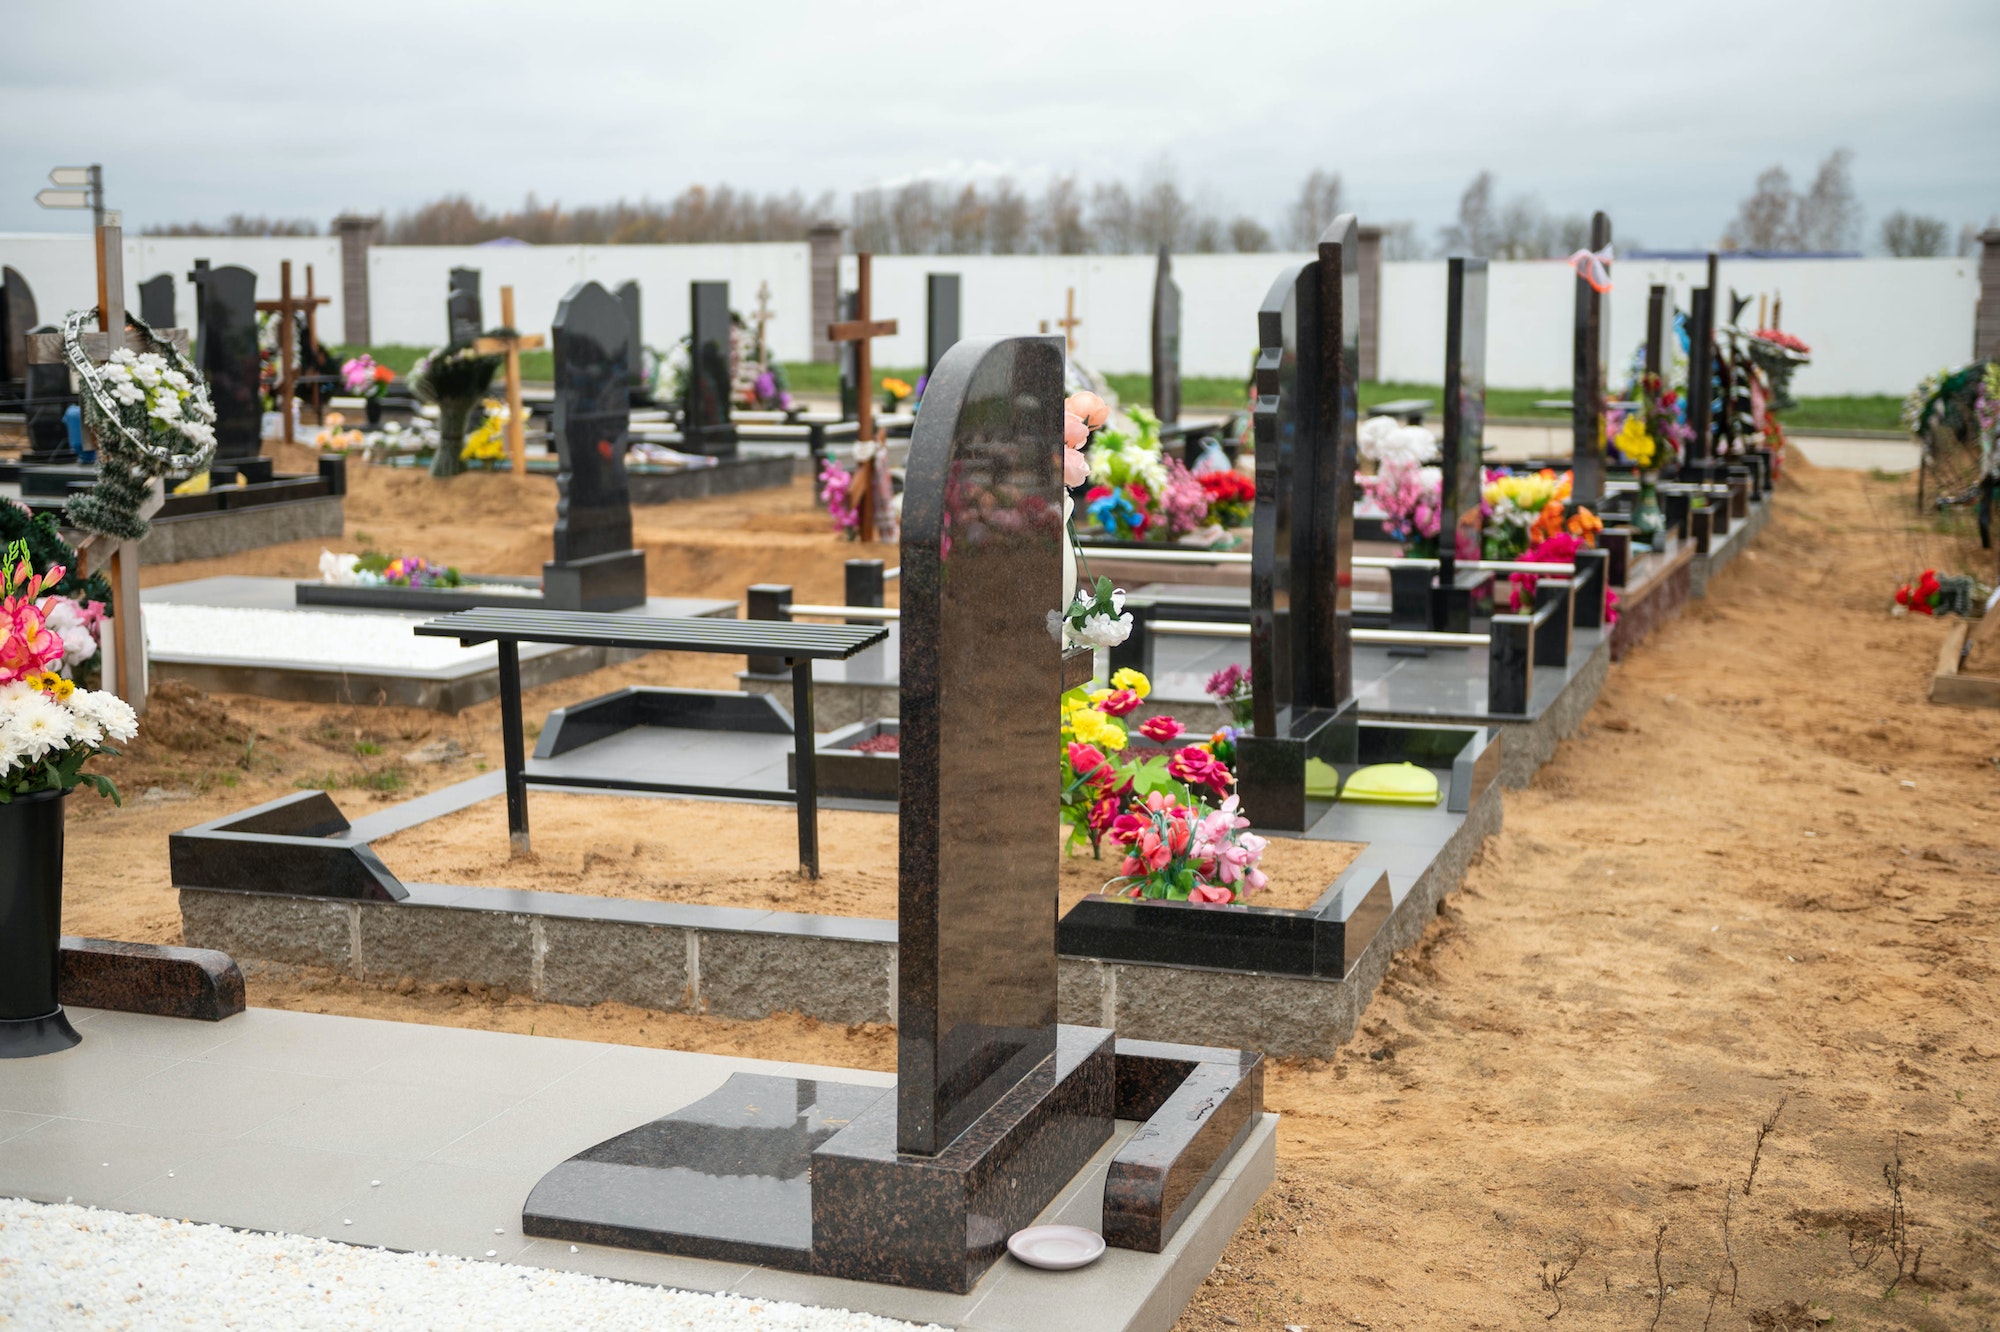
1391	784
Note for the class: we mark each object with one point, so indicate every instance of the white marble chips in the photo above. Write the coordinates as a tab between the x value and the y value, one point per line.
179	632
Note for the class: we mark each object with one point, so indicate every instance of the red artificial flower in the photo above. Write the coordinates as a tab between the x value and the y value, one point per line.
1161	730
1118	703
1103	812
1095	493
1211	892
1197	767
1088	760
1126	829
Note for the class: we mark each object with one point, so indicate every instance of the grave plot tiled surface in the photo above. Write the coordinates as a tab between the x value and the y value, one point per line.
430	1138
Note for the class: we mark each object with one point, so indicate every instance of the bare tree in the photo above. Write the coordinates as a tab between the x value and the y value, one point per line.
1163	215
1400	242
1321	199
872	232
1114	219
1060	218
1910	236
1829	214
915	214
1247	236
1477	230
1006	218
239	224
1768	219
968	222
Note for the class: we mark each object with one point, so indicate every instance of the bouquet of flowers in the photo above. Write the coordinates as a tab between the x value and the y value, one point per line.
1383	440
1931	594
455	379
1778	355
488	444
1411	498
1128	478
1232	497
371	568
333	438
1230	687
1097	618
48	726
151	414
1514	503
1652	438
1186	852
361	375
894	392
836	486
769	391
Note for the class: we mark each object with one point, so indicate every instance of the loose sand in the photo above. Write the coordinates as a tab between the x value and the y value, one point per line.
1762	874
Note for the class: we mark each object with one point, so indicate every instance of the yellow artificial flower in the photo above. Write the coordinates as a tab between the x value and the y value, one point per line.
897	387
1635	443
48	682
1092	727
1127	678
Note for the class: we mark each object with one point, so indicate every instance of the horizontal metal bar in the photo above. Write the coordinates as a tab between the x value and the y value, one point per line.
1393	637
1358	561
534	778
1166	556
896	572
850	612
772	638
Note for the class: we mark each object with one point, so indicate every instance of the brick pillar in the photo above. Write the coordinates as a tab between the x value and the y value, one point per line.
356	233
825	239
1986	323
1370	256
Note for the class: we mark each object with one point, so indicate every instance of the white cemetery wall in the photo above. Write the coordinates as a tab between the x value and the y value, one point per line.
407	283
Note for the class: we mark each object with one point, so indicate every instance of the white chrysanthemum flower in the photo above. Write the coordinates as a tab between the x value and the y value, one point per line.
41	724
111	714
1101	631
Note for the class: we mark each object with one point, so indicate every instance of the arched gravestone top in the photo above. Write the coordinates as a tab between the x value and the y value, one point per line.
981	675
226	353
17	317
1166	341
592	419
1309	344
156	300
1464	405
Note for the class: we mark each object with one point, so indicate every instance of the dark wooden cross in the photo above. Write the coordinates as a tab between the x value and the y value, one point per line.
511	345
285	307
1069	321
858	331
763	316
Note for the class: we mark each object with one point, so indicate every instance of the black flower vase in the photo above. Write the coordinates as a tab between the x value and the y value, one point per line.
31	865
373	406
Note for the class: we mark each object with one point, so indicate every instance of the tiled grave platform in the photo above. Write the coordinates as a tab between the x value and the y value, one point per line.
1723	550
245	635
431	1138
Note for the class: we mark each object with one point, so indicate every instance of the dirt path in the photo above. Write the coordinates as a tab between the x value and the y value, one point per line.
1762	875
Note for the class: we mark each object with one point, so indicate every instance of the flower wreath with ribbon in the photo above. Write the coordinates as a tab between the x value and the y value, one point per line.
151	413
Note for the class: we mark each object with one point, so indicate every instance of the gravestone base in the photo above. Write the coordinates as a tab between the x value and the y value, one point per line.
612	582
804	1174
1271	770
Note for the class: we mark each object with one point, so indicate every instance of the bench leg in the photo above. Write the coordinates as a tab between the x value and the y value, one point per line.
512	747
807	778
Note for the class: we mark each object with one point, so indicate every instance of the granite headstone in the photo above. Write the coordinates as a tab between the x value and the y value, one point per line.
849	360
635	375
225	302
17	317
465	316
1166	341
1464	405
942	292
705	417
595	567
1591	354
46	396
156	300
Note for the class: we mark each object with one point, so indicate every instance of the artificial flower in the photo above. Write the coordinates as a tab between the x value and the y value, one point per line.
1161	730
1128	678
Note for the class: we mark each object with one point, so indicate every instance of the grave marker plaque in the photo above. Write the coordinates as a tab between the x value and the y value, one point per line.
1166	341
1464	411
465	316
17	317
595	567
156	300
705	424
941	317
225	302
1592	352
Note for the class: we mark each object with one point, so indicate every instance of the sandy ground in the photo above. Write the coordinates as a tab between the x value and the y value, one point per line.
1760	879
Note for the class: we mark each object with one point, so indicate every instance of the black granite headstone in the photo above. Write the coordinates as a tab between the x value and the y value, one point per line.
225	302
1701	377
1659	327
156	300
1464	408
1166	341
46	396
705	424
941	317
849	360
1301	616
465	316
635	374
595	567
1592	351
17	317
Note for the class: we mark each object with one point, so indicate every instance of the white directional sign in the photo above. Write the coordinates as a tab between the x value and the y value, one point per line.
70	176
63	198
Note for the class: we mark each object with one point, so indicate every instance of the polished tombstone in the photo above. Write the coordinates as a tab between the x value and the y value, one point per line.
1591	354
942	292
1464	409
225	303
705	423
1301	617
17	316
465	316
156	300
1166	341
635	373
45	397
1659	327
595	567
996	1107
848	357
1701	379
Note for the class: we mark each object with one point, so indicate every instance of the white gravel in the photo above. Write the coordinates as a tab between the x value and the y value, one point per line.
180	632
79	1267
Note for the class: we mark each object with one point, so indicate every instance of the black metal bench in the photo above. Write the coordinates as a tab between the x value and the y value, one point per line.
797	645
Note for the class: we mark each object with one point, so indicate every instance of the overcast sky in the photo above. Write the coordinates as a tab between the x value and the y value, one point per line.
1662	114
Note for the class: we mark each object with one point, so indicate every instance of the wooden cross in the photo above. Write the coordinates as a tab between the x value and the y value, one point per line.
858	331
285	307
124	657
511	346
1069	321
764	313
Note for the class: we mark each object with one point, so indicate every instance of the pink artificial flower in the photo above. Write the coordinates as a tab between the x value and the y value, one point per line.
1075	433
1118	703
1198	767
1076	467
1211	893
1103	812
1088	407
1088	760
1160	730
